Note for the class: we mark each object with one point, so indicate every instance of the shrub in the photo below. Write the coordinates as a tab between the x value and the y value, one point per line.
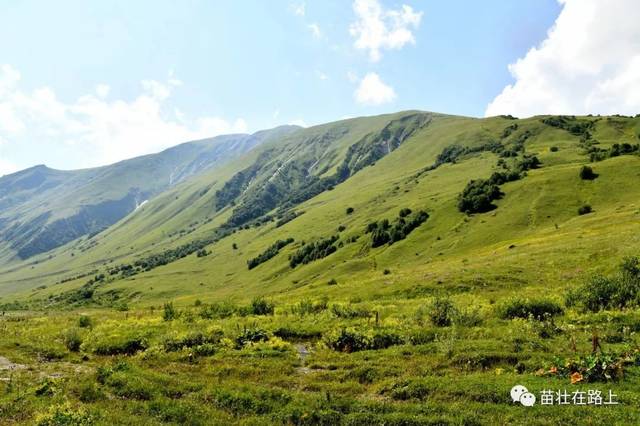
218	310
192	340
260	306
349	340
84	321
313	251
297	333
332	281
269	253
383	232
306	306
478	196
422	336
64	414
553	149
404	212
350	210
251	335
467	317
411	389
72	339
129	386
584	209
122	347
587	173
169	313
537	309
89	392
441	312
349	311
115	341
614	292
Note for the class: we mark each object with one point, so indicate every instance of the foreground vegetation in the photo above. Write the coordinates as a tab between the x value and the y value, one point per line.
315	362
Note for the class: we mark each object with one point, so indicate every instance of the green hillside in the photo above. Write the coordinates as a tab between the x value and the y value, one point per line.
42	208
407	268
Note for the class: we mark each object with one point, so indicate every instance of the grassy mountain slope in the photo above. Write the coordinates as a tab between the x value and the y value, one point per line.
451	248
44	208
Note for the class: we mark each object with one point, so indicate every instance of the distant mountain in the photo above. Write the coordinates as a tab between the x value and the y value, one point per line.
42	208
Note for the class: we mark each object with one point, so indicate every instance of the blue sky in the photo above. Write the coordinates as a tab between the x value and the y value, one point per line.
85	83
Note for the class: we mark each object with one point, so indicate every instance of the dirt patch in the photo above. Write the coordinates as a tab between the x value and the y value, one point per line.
5	364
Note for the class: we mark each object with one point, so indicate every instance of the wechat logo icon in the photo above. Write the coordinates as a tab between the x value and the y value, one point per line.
520	394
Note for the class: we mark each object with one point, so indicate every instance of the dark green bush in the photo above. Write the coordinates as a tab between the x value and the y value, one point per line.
121	346
349	311
383	232
218	310
615	292
269	253
313	251
297	333
260	306
587	173
441	312
84	321
478	196
194	339
584	209
251	335
350	210
350	340
72	339
169	313
538	309
307	307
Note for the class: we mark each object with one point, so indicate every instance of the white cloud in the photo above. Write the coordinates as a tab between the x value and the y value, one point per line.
93	130
102	90
376	28
589	63
352	76
372	91
315	30
298	9
322	76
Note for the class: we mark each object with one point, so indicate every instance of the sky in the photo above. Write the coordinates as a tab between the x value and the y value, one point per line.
86	83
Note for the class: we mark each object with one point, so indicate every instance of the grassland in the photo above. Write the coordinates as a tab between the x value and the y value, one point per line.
353	338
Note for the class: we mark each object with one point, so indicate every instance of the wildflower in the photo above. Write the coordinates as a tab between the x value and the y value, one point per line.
576	377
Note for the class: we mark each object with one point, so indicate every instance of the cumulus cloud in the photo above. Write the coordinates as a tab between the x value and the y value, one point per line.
376	28
373	91
93	129
589	63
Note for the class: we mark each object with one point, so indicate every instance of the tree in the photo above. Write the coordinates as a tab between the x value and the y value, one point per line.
587	173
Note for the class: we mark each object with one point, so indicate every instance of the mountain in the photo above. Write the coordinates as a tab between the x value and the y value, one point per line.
42	208
519	180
